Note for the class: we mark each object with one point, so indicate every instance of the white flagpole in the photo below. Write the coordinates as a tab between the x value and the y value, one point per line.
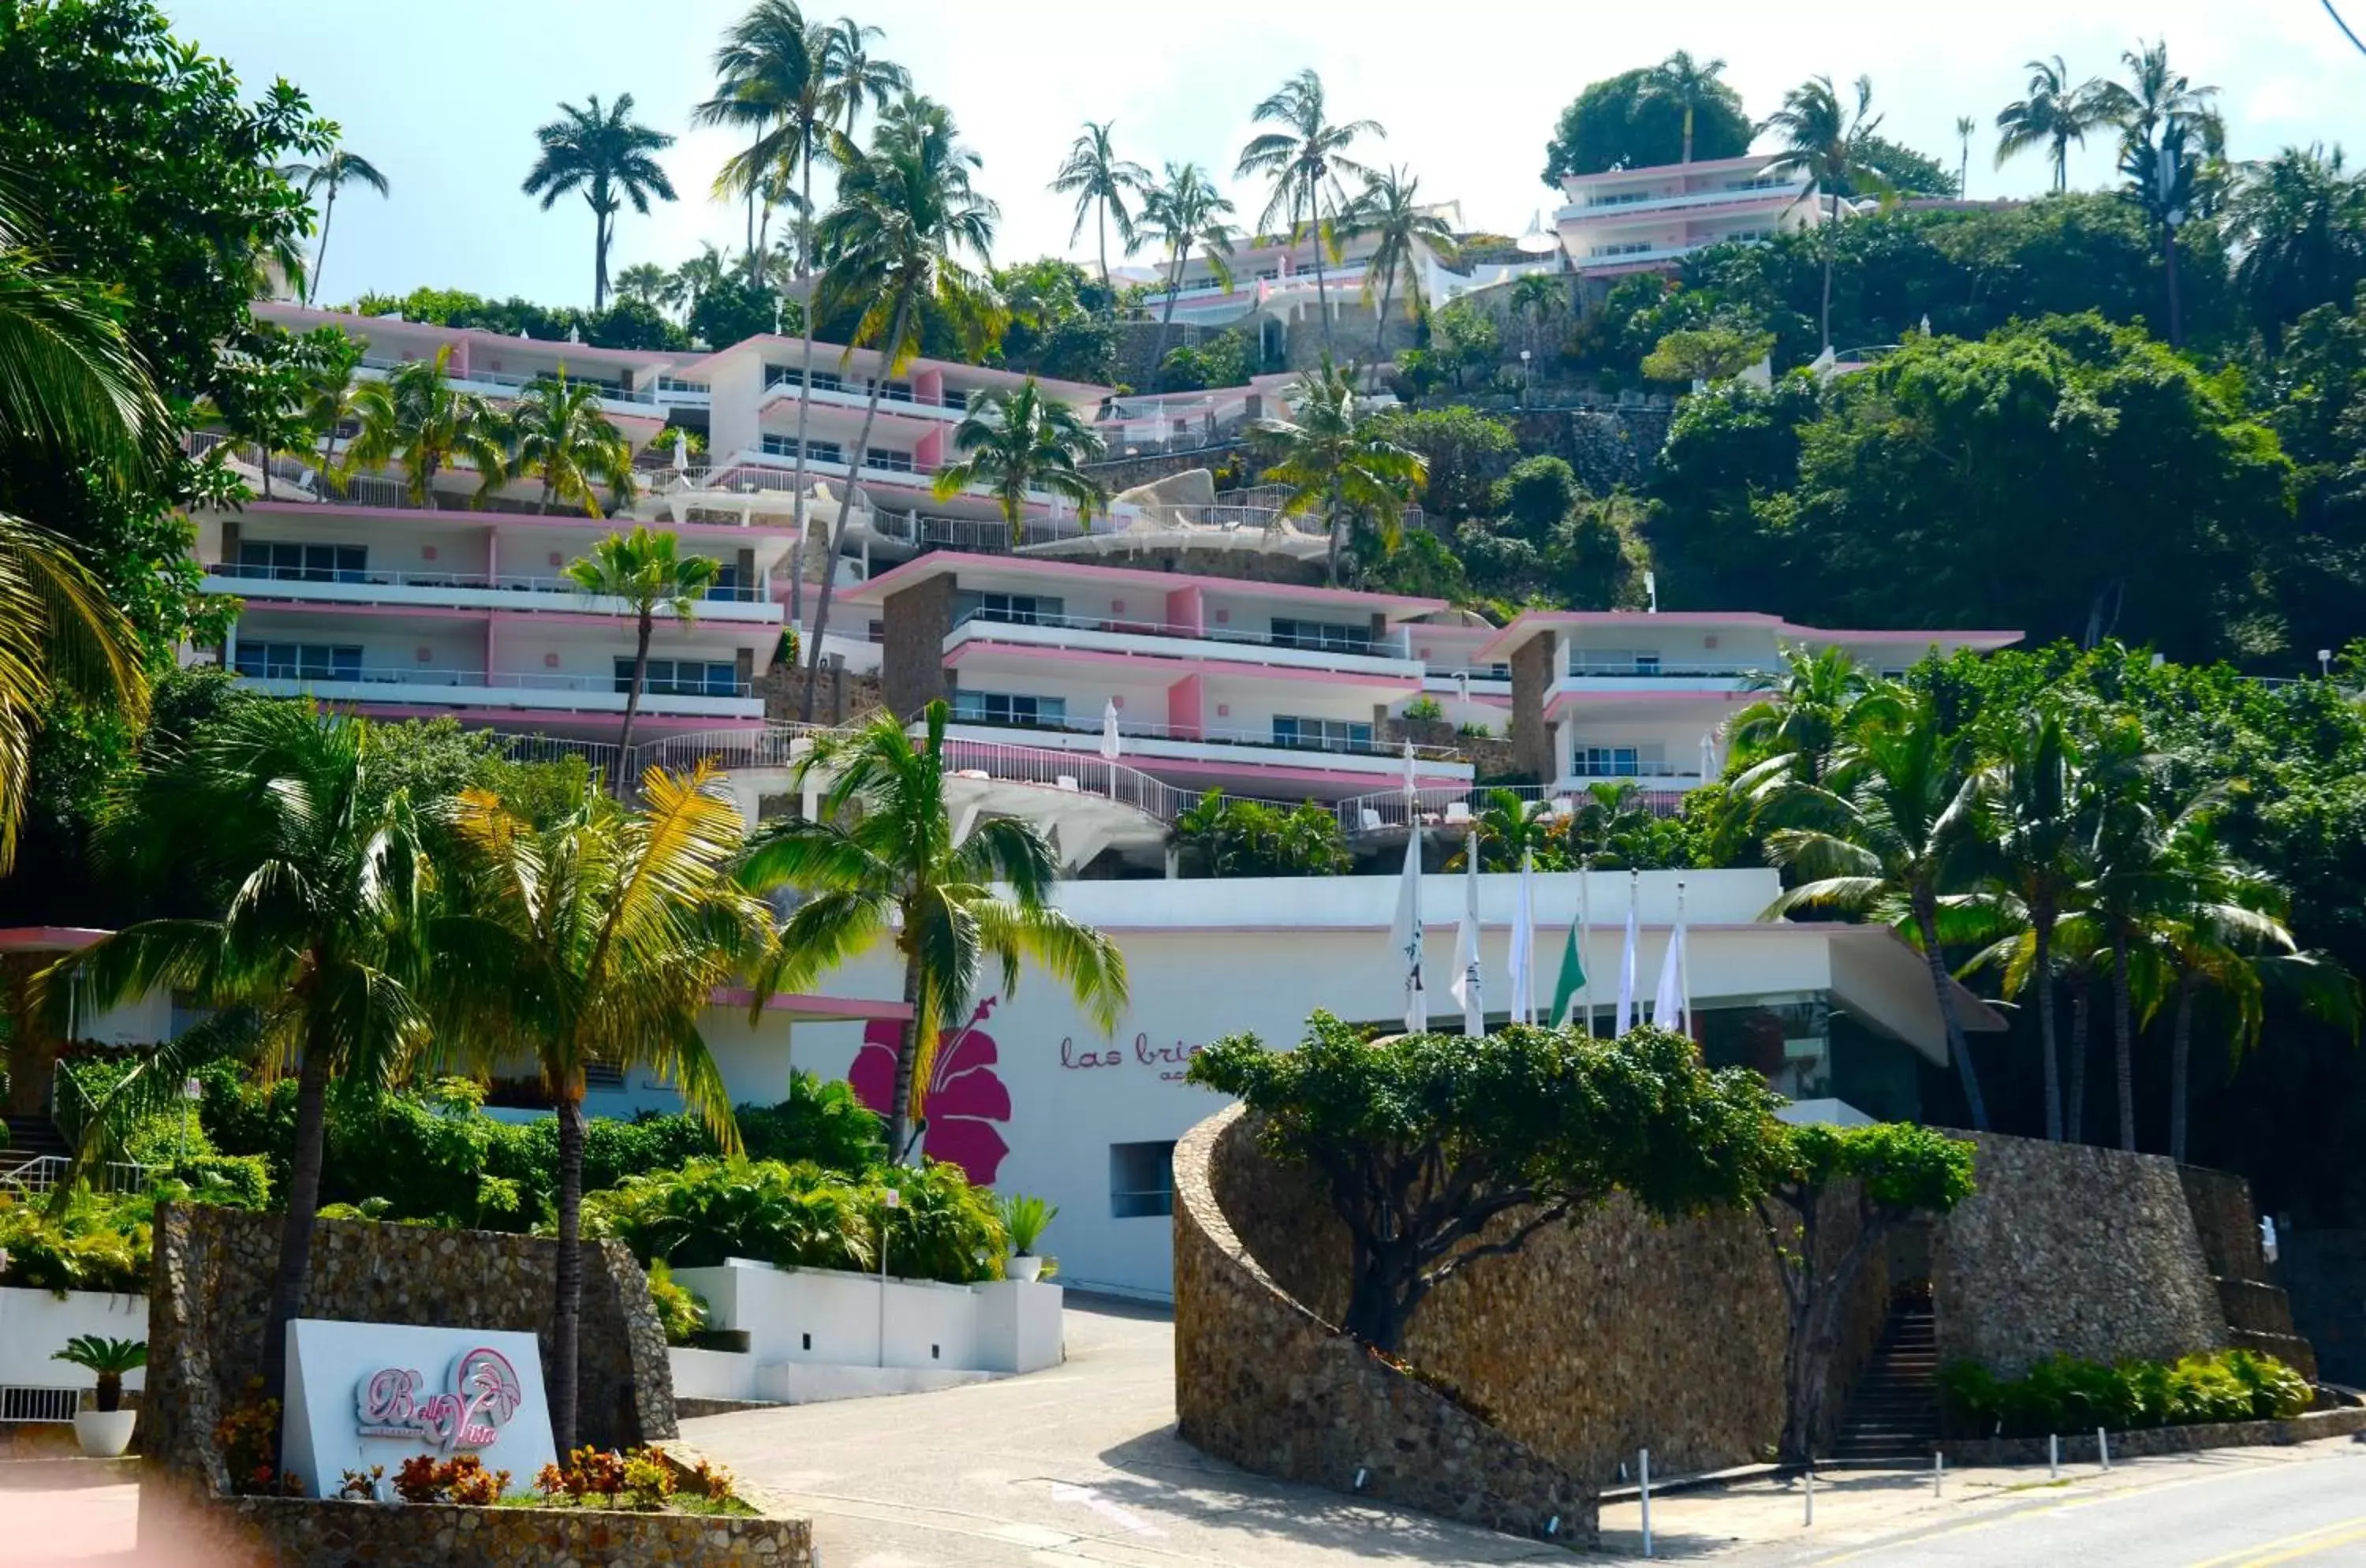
1627	958
1585	949
1405	931
1469	985
1524	942
1667	999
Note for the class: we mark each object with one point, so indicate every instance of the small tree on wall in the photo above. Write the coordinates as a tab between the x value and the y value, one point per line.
1425	1141
1900	1171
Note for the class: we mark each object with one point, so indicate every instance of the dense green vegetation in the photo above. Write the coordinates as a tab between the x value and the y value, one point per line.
2063	1393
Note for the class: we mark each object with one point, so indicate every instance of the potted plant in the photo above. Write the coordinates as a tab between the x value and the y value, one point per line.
105	1432
1024	1220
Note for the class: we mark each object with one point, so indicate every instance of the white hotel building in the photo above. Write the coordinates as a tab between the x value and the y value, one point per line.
1626	221
1189	640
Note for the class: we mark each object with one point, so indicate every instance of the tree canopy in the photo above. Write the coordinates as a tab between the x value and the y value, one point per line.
1621	121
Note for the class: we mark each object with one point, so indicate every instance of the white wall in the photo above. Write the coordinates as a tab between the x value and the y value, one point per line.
35	1325
833	1318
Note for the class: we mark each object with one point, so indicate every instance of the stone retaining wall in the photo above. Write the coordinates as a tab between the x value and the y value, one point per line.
329	1533
2325	1272
1599	1339
2071	1250
1263	1383
211	1293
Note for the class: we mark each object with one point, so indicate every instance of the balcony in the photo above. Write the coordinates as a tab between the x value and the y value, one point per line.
420	685
1390	658
1206	750
855	394
1651	678
1618	208
751	602
615	396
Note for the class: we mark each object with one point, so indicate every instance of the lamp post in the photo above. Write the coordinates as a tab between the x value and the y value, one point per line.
191	1093
2324	663
893	1200
1528	378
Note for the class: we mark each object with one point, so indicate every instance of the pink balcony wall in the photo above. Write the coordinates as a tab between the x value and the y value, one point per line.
1184	701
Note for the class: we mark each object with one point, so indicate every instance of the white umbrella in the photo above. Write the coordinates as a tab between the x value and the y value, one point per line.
1109	747
1410	786
682	451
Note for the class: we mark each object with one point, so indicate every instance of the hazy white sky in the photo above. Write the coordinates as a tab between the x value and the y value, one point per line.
444	95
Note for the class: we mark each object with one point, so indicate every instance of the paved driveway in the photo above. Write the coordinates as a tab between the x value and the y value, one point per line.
1078	1464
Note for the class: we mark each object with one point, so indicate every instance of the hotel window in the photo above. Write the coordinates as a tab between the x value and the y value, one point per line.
783	376
1003	707
1322	733
682	677
1141	1180
302	563
727	584
299	662
1322	637
816	451
1013	609
1621	762
1613	662
884	458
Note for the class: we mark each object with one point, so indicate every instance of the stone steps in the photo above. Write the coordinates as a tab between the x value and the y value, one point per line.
1893	1414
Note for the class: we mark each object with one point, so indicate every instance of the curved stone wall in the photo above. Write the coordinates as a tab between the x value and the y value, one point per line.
1262	1382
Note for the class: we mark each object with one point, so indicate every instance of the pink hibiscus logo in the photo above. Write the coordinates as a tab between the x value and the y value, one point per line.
965	1099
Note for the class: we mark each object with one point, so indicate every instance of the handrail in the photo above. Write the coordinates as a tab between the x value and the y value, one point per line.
750	593
1392	808
613	391
1398	648
1653	672
399	675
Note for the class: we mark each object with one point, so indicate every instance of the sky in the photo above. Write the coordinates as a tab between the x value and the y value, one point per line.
444	96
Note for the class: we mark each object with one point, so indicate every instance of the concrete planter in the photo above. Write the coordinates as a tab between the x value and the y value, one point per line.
104	1434
1025	1265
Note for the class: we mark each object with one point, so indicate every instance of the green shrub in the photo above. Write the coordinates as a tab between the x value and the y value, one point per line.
681	1309
1425	710
821	1120
945	1229
98	1243
2063	1393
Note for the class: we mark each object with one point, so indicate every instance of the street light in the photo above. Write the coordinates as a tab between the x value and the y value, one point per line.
2324	662
1527	376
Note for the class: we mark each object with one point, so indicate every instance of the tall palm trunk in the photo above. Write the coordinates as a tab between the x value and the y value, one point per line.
907	1057
2082	1006
1926	923
567	1310
2123	1045
320	256
846	501
1338	526
1831	243
2180	1059
632	698
2042	932
303	1209
1321	297
2168	262
805	405
752	147
1104	244
1167	322
1381	330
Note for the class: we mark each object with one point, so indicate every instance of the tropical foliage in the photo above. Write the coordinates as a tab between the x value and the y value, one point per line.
604	155
647	570
1221	837
1014	444
1336	465
1308	164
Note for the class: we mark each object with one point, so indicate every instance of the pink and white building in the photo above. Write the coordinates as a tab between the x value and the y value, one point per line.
1626	221
1619	696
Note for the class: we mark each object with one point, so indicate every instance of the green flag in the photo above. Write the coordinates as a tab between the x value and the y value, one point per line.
1572	978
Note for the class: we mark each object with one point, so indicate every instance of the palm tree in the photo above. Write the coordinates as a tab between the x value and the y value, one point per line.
2036	867
1390	208
1808	709
1538	297
1014	442
2053	115
2298	217
315	965
767	67
648	572
643	283
1101	182
856	76
2162	116
1836	149
1686	83
695	278
1306	160
75	397
331	175
906	221
560	435
1893	834
1965	128
606	156
1331	460
883	861
598	939
1187	214
416	419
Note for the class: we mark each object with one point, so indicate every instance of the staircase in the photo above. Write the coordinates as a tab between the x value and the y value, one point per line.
30	1138
1893	1412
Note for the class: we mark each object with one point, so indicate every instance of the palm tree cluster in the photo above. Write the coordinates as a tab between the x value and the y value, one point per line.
607	156
349	932
2057	850
416	421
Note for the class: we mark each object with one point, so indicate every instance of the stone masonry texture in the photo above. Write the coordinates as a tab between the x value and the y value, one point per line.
211	1291
1532	683
331	1533
1263	1383
2069	1248
915	622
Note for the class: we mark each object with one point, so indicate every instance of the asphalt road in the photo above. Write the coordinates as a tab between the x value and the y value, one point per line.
2246	1509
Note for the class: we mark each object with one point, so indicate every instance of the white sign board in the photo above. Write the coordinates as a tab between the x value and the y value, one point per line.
377	1393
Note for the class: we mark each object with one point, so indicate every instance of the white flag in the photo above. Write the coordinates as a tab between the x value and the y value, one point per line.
1524	940
1627	967
1467	985
1405	933
1668	1006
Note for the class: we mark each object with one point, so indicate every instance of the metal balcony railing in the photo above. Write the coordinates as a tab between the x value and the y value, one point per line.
478	680
746	593
1398	646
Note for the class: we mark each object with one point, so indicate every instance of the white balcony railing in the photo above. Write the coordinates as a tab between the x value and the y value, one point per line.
508	383
467	590
1391	656
1454	806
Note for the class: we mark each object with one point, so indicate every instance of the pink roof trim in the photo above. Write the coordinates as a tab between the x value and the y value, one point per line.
937	562
468	519
816	1008
635	357
49	939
